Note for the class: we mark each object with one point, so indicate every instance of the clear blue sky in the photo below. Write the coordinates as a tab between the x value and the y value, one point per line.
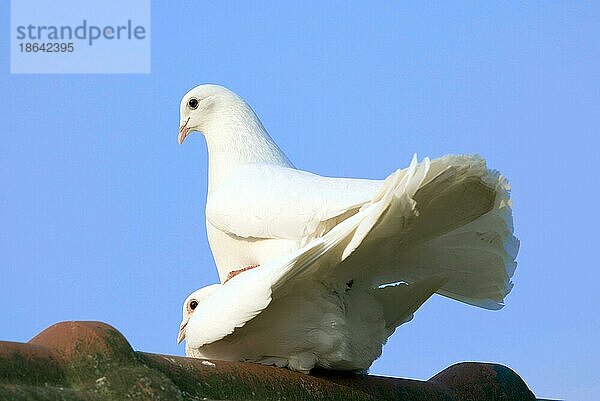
102	213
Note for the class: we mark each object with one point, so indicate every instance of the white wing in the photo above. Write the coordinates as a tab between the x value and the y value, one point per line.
448	220
267	201
241	299
457	225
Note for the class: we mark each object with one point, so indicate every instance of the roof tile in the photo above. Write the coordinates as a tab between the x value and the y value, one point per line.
94	361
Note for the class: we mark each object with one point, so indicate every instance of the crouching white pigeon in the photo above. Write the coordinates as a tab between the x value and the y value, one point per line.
328	248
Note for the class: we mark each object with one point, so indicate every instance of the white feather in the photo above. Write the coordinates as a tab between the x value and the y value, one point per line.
326	245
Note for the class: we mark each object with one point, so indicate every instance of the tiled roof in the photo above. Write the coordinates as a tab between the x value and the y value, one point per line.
93	361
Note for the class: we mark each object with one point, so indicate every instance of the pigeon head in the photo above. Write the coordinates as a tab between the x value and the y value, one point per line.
193	303
233	132
204	106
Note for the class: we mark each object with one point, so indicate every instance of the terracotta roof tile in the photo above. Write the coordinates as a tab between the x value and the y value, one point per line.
93	361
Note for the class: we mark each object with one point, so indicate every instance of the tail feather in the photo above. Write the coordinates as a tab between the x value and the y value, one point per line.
400	301
456	223
401	185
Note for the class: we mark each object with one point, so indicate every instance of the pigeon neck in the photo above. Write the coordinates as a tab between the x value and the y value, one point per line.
236	139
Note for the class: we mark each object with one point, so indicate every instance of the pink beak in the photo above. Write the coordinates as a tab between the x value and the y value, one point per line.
181	335
184	130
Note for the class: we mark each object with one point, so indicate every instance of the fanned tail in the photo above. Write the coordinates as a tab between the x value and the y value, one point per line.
447	218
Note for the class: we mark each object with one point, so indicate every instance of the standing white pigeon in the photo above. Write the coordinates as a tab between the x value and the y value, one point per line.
325	246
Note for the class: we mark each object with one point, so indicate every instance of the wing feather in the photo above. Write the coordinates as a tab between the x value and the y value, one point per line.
241	299
267	201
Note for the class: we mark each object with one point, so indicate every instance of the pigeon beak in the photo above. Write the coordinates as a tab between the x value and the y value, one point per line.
181	335
184	130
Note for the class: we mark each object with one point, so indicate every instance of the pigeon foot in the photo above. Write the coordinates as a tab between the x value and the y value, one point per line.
234	273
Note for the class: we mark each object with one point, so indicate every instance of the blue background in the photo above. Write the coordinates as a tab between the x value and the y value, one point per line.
102	213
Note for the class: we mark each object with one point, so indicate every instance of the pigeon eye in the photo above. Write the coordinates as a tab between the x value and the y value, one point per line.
193	304
193	103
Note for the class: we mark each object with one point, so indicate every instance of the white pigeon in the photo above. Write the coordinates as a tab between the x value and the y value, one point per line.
329	248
